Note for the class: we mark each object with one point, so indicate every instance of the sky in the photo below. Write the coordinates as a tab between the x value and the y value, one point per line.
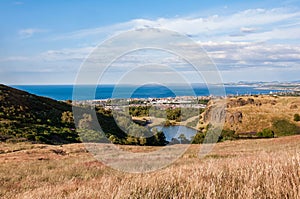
48	42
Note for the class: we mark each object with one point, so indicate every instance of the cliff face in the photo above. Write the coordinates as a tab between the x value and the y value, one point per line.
252	114
215	113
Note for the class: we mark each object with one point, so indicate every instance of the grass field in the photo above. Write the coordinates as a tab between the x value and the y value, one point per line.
265	168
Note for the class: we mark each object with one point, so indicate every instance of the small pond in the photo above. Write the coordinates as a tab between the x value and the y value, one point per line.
174	131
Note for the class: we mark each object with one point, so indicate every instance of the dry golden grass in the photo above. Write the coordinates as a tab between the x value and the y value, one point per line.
234	169
257	117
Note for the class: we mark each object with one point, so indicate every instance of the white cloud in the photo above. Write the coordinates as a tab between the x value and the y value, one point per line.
29	32
250	39
247	30
265	23
229	55
67	54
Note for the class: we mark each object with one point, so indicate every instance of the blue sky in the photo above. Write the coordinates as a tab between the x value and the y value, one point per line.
45	42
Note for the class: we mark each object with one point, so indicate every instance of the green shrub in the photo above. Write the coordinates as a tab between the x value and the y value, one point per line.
40	139
296	117
227	134
282	127
198	138
266	133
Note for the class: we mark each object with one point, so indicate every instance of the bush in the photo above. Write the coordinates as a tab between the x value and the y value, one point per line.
266	133
283	127
227	134
296	117
198	138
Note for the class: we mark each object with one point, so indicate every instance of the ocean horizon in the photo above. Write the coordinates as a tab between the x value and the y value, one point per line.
87	92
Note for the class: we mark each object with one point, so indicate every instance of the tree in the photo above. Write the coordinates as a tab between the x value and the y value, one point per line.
143	141
167	123
183	139
173	114
113	139
131	140
174	141
158	139
198	138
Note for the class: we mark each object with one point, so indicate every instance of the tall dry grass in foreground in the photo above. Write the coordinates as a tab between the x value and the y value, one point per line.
238	169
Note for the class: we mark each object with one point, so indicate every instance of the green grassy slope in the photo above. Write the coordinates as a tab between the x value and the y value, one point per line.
24	116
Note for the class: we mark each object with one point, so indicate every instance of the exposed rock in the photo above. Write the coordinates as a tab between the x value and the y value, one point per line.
230	119
240	102
215	114
293	106
234	118
250	101
238	116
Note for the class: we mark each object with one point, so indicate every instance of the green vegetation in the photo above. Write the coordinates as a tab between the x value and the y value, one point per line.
266	133
282	127
198	138
227	134
177	114
182	114
183	139
27	117
138	111
296	117
203	101
117	128
173	114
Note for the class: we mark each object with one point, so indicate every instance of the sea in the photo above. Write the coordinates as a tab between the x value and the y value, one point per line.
92	92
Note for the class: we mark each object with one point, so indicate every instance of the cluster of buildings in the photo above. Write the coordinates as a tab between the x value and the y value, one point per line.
163	103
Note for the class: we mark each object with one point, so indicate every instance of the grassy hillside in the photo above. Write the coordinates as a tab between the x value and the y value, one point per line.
27	117
24	116
253	114
265	168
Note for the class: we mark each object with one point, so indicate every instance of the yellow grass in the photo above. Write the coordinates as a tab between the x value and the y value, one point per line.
234	169
256	118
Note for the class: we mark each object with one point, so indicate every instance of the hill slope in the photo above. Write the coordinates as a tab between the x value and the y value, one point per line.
252	114
29	117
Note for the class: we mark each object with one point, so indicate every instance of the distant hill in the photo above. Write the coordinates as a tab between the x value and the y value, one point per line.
24	116
249	115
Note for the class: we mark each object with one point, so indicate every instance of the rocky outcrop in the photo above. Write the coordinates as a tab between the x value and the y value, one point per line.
293	106
240	102
234	118
215	114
